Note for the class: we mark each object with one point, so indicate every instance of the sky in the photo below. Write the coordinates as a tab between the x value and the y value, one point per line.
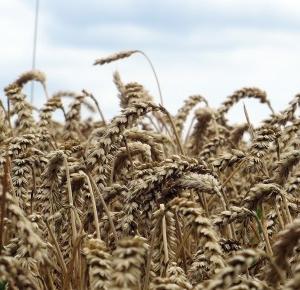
207	47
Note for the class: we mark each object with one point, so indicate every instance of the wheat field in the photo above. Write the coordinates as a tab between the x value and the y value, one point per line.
147	200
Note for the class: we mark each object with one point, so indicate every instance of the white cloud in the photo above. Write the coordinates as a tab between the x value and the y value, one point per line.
16	38
213	60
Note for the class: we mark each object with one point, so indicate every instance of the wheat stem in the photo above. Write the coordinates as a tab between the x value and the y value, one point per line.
104	206
70	196
155	75
149	258
279	215
96	220
164	233
174	129
180	240
58	251
3	200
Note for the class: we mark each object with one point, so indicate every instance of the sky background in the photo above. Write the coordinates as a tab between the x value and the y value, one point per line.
211	48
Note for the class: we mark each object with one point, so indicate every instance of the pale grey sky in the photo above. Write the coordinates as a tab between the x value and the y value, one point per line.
208	47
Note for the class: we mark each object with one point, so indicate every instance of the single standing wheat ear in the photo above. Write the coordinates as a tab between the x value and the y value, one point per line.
183	112
129	260
99	264
203	231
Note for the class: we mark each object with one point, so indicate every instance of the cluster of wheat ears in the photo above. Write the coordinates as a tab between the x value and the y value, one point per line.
145	201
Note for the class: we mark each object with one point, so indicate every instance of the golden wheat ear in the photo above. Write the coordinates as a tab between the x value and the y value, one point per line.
283	249
128	53
114	57
33	75
183	112
241	94
19	106
129	259
99	264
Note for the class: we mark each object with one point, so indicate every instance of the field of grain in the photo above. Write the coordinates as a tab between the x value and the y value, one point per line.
147	200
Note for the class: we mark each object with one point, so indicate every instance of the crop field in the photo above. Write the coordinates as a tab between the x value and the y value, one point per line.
147	199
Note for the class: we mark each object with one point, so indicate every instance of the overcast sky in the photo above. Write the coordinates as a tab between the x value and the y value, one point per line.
208	47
